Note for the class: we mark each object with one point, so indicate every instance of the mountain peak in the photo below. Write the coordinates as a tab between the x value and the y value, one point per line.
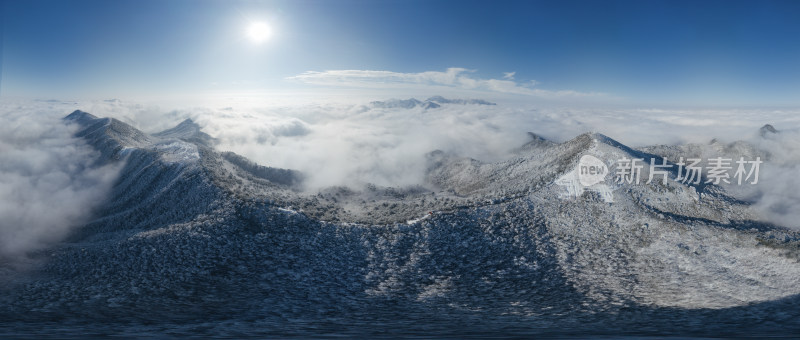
766	130
597	137
594	139
80	116
602	138
188	123
187	130
535	143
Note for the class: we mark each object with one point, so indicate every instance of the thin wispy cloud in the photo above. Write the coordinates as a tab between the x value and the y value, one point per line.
452	78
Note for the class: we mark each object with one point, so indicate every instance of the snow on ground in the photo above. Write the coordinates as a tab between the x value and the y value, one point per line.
214	248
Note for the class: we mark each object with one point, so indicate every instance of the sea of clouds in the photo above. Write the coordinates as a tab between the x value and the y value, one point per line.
48	183
346	141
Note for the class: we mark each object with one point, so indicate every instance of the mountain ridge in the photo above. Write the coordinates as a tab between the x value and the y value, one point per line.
203	241
434	102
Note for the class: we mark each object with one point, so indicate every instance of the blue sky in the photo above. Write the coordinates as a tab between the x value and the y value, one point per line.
675	52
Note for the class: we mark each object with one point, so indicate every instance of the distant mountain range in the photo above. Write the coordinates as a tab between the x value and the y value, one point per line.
203	242
430	103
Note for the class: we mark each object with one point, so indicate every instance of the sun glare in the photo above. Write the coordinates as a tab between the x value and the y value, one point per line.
259	32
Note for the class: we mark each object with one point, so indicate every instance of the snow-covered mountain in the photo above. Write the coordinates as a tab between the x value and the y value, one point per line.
442	100
430	103
189	131
204	242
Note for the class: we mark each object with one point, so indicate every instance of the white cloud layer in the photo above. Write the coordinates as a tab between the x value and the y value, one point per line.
452	78
48	183
347	142
777	193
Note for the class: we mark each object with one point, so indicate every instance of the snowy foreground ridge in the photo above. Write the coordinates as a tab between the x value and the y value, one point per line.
197	241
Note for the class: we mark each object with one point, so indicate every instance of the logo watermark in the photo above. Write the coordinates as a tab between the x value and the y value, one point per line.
591	170
591	173
717	171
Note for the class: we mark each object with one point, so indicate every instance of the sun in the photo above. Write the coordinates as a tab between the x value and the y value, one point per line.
259	32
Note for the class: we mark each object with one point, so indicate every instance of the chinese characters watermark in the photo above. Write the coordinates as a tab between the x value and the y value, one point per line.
689	171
